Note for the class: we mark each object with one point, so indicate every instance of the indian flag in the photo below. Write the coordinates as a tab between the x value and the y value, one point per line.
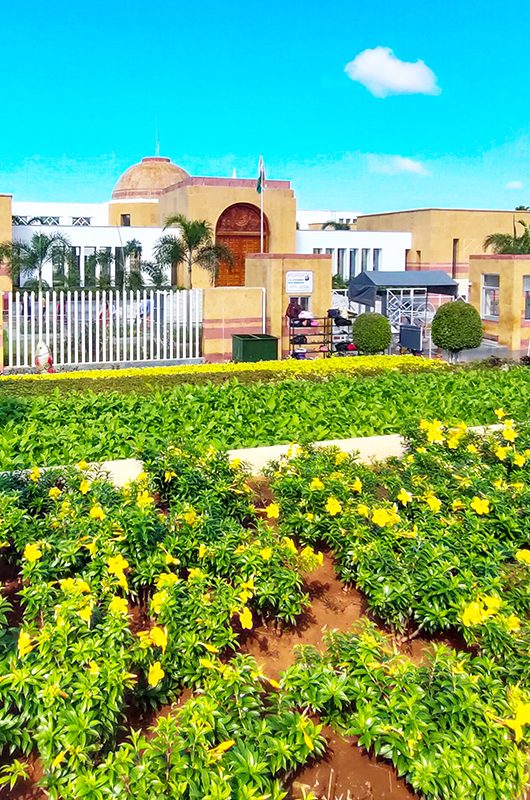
261	176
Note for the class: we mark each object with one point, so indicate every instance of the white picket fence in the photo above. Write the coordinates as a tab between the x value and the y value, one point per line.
102	327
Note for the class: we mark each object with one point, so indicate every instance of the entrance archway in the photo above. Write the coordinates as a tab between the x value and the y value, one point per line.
238	228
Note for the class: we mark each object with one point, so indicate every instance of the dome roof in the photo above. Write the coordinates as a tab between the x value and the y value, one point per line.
149	178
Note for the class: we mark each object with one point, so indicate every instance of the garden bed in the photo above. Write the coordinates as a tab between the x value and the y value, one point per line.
203	623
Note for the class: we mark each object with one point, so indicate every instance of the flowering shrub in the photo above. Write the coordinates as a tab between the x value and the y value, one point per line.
445	725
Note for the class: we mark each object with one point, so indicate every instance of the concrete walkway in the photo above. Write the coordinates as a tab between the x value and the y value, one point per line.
367	448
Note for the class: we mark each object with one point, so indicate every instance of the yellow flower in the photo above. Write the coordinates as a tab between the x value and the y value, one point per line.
84	486
235	463
509	434
316	484
207	663
34	474
168	475
118	605
91	547
404	497
500	413
522	718
86	613
32	552
434	503
357	485
310	517
290	545
166	579
421	450
117	564
202	550
25	645
190	517
333	507
211	648
474	614
144	499
471	448
480	506
273	511
410	534
169	559
274	683
54	493
363	510
519	460
245	618
159	637
453	442
96	512
380	517
457	505
499	484
492	603
82	465
266	553
195	572
523	556
155	675
512	623
340	458
59	758
217	752
93	668
144	639
501	453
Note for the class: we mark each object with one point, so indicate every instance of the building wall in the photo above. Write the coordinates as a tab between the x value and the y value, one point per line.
97	213
393	246
435	230
144	213
91	237
207	198
511	329
269	271
5	236
228	311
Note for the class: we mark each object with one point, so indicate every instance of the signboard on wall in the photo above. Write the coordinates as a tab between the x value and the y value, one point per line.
298	282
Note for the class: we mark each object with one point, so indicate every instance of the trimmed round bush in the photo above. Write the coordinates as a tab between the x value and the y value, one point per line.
457	326
371	333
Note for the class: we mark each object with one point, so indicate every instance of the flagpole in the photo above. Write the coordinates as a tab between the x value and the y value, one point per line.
262	172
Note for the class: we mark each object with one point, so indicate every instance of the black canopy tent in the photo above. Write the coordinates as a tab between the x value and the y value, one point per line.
367	286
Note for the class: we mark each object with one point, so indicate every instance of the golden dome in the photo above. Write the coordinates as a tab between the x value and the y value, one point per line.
149	178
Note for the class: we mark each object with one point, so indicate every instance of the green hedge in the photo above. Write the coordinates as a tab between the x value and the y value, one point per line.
60	428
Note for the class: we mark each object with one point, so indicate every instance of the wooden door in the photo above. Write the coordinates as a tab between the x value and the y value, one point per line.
238	228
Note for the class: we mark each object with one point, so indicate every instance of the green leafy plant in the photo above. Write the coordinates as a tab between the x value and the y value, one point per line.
371	333
457	326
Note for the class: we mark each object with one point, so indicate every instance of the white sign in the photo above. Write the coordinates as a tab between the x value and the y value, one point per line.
298	282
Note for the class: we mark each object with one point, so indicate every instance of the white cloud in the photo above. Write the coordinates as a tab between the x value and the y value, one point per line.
514	185
382	73
394	165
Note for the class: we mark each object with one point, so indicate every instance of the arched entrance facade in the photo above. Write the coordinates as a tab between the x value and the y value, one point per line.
238	228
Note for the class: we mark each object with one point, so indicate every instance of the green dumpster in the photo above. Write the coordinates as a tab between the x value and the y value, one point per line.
254	347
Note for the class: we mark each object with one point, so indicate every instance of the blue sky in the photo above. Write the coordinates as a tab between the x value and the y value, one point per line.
82	85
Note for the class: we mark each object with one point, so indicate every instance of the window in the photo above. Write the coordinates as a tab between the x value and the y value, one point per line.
341	219
348	220
45	221
317	250
490	296
58	266
377	258
303	302
353	262
125	220
526	293
81	222
119	267
341	258
329	251
365	258
18	220
90	267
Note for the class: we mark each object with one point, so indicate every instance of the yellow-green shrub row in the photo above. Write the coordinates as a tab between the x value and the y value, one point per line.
289	367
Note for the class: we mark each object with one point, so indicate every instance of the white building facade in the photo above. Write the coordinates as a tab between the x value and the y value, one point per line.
353	252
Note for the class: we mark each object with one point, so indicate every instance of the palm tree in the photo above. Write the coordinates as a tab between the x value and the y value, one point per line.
193	247
336	226
508	243
28	259
157	274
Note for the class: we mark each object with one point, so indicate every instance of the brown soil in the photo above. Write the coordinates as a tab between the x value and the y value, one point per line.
348	773
26	790
332	606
